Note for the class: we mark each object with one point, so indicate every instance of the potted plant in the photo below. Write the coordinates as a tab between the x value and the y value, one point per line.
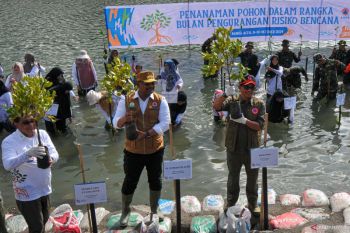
31	98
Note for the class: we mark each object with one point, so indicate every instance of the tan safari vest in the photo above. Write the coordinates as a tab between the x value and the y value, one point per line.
145	122
253	111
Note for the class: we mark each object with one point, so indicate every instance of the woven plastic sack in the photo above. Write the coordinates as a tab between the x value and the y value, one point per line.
149	225
166	206
203	224
238	219
314	197
213	203
165	225
134	220
287	221
190	204
64	220
346	214
314	214
290	199
339	201
271	194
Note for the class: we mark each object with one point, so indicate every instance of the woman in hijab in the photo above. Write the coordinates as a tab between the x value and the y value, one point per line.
62	99
273	76
31	68
172	78
16	76
5	103
275	108
177	110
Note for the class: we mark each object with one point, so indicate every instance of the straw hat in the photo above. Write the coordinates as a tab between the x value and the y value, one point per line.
83	55
146	77
93	97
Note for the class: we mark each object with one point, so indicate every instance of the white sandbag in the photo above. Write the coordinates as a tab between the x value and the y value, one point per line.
290	199
314	228
16	224
314	198
340	201
238	219
100	214
314	214
203	224
150	224
222	225
346	214
165	225
134	219
271	194
190	204
213	203
166	206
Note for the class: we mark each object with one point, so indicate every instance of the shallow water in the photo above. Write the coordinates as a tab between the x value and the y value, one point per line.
316	150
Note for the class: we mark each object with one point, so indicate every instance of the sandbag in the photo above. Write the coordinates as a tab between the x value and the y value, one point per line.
64	220
100	215
134	220
314	214
314	198
165	225
238	219
149	225
290	199
346	214
213	203
271	194
222	225
340	201
287	221
190	204
166	206
16	224
314	228
203	224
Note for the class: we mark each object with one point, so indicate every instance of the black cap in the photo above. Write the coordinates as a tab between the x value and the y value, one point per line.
285	42
249	44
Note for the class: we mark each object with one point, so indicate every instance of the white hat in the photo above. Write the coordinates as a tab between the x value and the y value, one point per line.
83	55
93	97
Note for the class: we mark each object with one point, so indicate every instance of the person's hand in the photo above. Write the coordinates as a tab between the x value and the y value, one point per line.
299	54
269	68
37	151
230	90
141	135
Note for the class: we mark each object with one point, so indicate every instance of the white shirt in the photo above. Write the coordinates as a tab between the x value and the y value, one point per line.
257	77
35	71
29	181
5	103
271	83
164	113
75	75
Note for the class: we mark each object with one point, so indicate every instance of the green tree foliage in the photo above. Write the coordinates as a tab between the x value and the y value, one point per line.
157	18
224	50
31	98
118	79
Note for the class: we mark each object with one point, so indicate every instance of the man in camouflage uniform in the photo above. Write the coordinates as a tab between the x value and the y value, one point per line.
286	56
325	81
249	59
340	55
246	114
291	78
206	48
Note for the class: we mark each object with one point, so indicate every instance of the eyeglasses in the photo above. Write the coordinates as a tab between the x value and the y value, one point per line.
248	87
27	122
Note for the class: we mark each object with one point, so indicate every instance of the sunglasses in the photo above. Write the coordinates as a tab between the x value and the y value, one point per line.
27	122
248	87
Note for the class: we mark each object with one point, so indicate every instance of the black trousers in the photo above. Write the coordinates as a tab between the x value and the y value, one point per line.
36	213
133	166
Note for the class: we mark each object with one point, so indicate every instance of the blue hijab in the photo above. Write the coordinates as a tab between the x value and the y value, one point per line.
170	74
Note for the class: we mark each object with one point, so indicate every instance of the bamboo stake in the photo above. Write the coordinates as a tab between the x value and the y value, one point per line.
82	170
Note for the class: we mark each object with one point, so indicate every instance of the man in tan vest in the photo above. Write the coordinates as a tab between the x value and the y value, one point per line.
150	112
246	119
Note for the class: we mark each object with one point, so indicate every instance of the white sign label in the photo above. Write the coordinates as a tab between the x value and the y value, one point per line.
53	110
90	193
290	102
341	99
264	157
178	169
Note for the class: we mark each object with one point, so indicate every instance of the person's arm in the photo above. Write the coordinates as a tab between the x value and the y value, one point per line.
120	117
164	120
279	72
297	58
8	99
179	84
50	146
33	72
259	123
218	103
10	158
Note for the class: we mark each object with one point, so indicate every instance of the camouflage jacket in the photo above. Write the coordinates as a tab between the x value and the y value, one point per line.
339	55
285	58
326	77
250	60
